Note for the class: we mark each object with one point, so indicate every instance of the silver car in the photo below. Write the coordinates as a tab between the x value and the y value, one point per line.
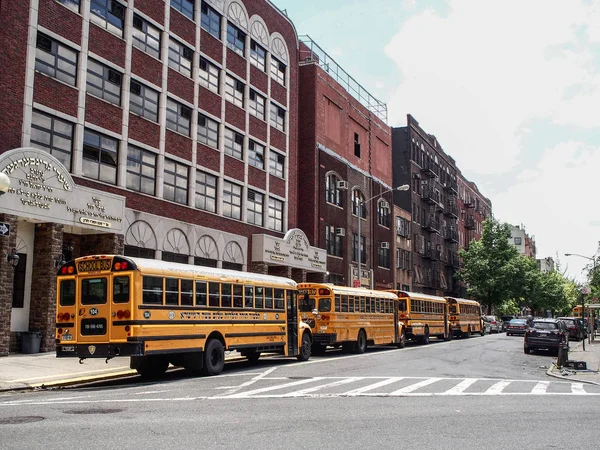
495	323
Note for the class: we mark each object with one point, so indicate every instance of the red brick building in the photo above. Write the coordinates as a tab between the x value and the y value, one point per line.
345	172
156	128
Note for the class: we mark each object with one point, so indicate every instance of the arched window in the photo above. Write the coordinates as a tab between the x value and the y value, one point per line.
333	194
357	200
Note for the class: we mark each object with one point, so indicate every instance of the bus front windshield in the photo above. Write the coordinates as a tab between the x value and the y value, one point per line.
306	303
402	305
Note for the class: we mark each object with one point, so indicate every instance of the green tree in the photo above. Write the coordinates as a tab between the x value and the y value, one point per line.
490	265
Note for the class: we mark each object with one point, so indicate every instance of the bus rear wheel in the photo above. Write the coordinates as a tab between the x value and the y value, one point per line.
304	353
214	358
361	342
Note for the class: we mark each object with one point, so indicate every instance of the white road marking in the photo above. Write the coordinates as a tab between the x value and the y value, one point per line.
251	382
540	388
497	388
273	388
303	392
370	387
460	387
577	389
415	386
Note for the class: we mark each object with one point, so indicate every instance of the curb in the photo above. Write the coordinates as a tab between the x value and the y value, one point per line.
550	373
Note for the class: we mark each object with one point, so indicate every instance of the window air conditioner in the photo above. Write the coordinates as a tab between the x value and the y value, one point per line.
385	245
342	185
340	232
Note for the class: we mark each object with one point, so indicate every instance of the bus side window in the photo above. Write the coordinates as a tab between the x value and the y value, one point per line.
226	295
238	295
351	303
152	290
279	299
362	305
249	296
187	293
369	305
338	302
201	290
121	289
171	291
67	292
344	303
259	295
214	293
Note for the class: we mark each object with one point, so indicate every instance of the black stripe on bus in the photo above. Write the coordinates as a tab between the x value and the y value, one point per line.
64	325
264	345
205	308
166	338
193	322
266	333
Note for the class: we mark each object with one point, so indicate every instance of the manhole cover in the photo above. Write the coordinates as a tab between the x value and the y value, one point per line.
93	411
19	420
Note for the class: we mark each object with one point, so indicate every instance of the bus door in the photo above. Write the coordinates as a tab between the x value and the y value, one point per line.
94	308
121	299
292	323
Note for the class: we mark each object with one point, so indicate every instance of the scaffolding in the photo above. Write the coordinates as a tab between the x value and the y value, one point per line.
327	63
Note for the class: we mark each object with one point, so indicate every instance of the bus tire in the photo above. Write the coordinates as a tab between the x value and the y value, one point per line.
361	342
304	353
151	367
214	358
402	342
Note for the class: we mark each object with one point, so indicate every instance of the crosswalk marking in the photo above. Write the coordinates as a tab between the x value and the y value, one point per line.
302	392
272	388
497	388
577	389
371	387
414	387
540	388
461	387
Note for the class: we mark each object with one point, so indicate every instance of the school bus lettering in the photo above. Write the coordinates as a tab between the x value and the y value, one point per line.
94	265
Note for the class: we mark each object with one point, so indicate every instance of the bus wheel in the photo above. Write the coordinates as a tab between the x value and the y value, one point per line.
150	367
402	342
304	353
361	342
425	340
214	358
252	356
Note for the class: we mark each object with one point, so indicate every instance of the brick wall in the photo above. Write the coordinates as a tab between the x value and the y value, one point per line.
7	243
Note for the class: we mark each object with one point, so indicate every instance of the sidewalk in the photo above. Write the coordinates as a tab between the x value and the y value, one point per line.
44	370
591	356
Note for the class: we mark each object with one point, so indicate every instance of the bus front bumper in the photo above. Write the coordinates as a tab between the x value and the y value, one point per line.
324	338
99	350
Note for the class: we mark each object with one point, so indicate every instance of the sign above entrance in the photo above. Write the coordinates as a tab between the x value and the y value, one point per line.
41	188
293	250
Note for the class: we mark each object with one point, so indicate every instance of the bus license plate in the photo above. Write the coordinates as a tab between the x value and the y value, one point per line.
67	337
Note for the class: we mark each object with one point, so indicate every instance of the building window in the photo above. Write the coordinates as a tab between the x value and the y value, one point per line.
383	213
256	105
208	131
174	257
233	143
275	214
518	241
52	135
100	157
356	145
55	60
146	37
276	164
209	75
143	101
402	227
206	191
358	200
254	208
333	194
141	170
363	254
138	252
232	266
211	20
277	70
108	14
234	91
256	155
236	39
257	55
383	257
104	82
334	241
232	200
71	4
185	7
178	117
175	187
206	262
180	58
277	117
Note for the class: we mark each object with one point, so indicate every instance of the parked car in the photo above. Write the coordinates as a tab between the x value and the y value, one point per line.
548	334
487	326
516	326
575	327
495	326
505	320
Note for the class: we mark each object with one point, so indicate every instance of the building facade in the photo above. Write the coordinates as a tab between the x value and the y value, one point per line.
474	208
404	267
345	177
524	243
546	264
153	128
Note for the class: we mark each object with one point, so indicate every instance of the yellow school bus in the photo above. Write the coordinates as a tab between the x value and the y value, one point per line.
160	313
423	316
351	317
464	317
577	311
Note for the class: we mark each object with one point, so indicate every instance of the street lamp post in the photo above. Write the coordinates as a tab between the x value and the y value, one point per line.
593	260
404	187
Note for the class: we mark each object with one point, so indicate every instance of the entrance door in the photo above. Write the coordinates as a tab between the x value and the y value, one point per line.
292	323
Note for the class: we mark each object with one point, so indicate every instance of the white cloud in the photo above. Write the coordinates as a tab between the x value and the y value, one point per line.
474	77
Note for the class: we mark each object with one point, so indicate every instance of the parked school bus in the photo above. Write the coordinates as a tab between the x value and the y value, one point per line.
423	316
351	317
158	312
464	317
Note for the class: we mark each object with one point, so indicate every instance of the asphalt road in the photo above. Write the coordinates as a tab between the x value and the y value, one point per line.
471	393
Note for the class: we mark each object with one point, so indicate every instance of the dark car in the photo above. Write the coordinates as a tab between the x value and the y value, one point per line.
505	320
574	327
548	334
516	326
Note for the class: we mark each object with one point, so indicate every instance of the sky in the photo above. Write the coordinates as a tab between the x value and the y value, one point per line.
511	90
